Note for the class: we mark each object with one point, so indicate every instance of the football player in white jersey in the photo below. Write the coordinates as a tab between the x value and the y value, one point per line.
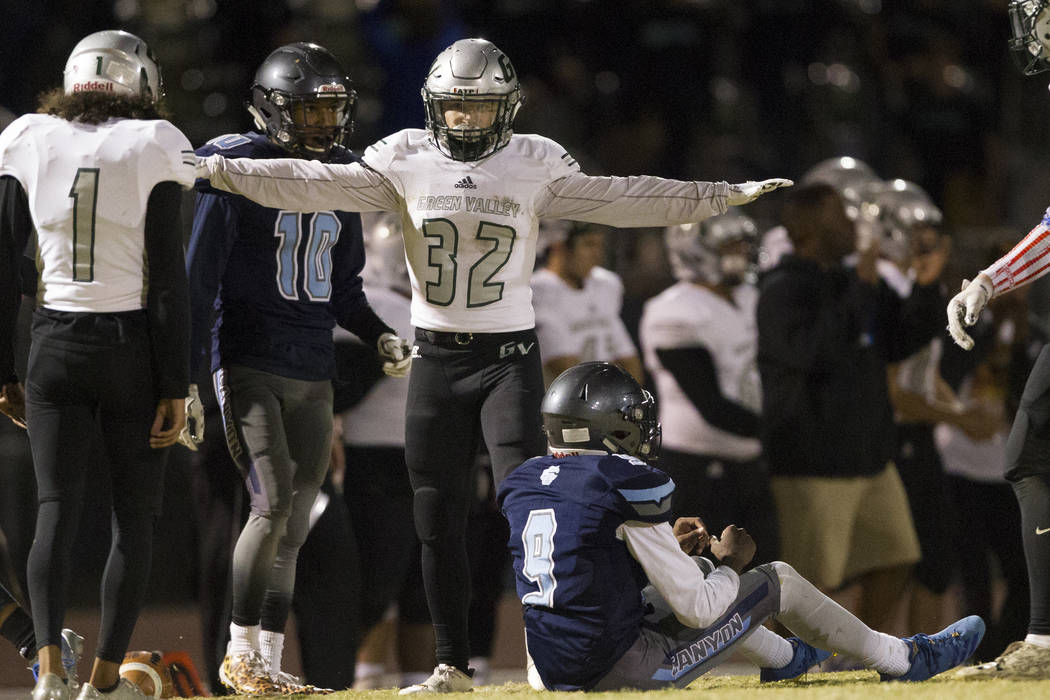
700	343
1028	447
98	174
470	193
578	302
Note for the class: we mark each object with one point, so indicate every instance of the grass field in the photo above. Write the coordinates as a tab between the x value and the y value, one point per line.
849	685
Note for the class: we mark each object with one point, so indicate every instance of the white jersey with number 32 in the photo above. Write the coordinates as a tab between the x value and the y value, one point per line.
88	186
471	245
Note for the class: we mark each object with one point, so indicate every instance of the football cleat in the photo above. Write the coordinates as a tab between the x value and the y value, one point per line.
248	674
936	653
291	685
445	679
803	658
125	690
50	687
1020	661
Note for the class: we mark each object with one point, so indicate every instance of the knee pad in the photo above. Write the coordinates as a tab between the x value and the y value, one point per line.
430	516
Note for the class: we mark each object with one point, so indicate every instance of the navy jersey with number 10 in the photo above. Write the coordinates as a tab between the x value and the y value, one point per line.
278	280
580	587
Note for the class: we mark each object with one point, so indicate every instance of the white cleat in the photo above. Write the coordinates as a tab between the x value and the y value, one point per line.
50	687
445	679
125	690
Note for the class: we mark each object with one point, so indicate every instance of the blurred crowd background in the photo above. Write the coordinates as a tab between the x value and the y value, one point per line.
692	89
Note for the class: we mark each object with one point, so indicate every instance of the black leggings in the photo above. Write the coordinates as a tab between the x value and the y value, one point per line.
90	373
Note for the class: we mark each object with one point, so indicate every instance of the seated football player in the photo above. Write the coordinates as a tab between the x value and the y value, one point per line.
611	596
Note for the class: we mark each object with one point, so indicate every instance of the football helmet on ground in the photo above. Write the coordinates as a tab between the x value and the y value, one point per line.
302	99
476	81
113	61
1030	35
598	406
696	254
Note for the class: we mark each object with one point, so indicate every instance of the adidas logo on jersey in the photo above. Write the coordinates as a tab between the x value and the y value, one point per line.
466	183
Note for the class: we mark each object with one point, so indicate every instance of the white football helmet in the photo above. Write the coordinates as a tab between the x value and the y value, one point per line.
898	207
694	250
385	264
1030	35
849	176
469	74
113	61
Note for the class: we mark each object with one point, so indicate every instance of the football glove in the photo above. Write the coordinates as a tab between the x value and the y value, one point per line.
749	191
966	306
192	433
396	354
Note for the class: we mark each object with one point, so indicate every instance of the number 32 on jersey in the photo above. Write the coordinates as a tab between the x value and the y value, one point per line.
538	567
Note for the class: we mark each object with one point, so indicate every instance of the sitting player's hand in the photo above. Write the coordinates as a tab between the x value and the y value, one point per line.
749	191
734	549
396	354
692	535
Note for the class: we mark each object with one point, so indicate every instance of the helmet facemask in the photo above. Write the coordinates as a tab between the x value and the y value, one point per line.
1030	35
298	123
485	129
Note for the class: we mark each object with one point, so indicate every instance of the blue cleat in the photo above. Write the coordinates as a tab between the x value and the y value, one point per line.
933	654
804	658
72	649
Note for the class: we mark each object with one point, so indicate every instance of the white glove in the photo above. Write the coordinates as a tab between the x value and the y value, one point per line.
750	191
966	306
192	433
396	354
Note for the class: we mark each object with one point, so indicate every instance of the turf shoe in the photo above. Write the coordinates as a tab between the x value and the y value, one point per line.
292	685
72	650
445	679
1020	661
50	687
803	658
936	653
125	690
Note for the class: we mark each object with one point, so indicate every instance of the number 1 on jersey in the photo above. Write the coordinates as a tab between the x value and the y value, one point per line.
84	193
538	541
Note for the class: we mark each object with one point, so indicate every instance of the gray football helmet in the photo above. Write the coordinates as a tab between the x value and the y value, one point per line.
300	75
848	176
598	406
385	253
899	207
113	61
694	250
468	74
1030	35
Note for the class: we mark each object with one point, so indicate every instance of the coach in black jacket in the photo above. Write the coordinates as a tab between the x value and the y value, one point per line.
826	333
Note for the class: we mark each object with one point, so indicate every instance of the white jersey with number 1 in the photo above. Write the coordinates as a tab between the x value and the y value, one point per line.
88	186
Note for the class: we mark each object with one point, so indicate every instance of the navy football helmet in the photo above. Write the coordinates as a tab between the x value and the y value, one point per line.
598	406
303	100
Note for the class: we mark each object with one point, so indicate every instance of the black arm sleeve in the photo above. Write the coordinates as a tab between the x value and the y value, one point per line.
16	226
694	370
167	301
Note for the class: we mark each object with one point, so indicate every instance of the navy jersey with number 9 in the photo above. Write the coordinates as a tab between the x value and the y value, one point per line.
579	585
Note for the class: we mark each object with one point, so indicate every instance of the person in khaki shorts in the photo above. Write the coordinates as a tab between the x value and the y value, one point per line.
826	333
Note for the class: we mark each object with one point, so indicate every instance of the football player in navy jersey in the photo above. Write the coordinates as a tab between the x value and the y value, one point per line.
612	599
98	174
278	281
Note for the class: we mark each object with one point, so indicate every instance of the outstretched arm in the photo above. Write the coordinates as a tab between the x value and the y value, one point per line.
301	185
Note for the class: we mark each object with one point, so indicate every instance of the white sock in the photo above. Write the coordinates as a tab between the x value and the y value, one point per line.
766	649
242	639
823	623
1040	640
271	644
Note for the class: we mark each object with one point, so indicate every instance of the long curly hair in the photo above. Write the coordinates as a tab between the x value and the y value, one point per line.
94	107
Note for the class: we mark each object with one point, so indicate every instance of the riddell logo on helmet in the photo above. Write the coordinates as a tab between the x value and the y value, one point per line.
93	85
334	87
